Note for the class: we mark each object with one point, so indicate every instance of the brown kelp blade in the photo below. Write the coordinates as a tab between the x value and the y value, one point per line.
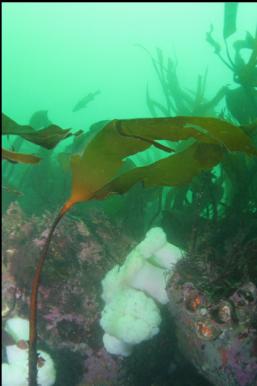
104	154
101	161
217	131
203	129
174	170
19	157
48	137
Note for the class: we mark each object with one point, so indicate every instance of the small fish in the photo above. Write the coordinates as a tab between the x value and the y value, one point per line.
84	101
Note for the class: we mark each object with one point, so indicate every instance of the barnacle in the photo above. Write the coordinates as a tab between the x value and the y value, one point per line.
206	330
193	301
224	312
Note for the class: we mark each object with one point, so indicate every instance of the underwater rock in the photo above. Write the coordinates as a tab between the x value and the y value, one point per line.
244	300
101	369
220	343
69	301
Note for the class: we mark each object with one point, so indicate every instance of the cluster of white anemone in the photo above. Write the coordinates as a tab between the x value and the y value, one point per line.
15	372
131	293
131	315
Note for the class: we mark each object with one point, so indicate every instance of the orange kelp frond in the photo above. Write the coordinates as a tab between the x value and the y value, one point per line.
19	157
174	170
103	156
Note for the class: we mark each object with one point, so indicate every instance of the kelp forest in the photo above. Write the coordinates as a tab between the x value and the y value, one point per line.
77	201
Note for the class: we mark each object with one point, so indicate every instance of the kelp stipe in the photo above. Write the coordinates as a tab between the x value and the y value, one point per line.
34	298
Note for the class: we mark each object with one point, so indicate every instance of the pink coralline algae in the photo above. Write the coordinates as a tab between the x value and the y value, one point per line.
90	252
241	368
101	369
69	303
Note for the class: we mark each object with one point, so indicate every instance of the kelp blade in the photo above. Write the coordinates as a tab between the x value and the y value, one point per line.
101	161
19	157
177	169
48	137
230	14
203	129
104	154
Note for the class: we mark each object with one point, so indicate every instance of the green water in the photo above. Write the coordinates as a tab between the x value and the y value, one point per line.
54	54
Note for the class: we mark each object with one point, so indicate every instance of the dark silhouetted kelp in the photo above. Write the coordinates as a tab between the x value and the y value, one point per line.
240	101
48	138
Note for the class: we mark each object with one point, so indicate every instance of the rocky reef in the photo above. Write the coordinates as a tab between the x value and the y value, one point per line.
218	338
69	301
